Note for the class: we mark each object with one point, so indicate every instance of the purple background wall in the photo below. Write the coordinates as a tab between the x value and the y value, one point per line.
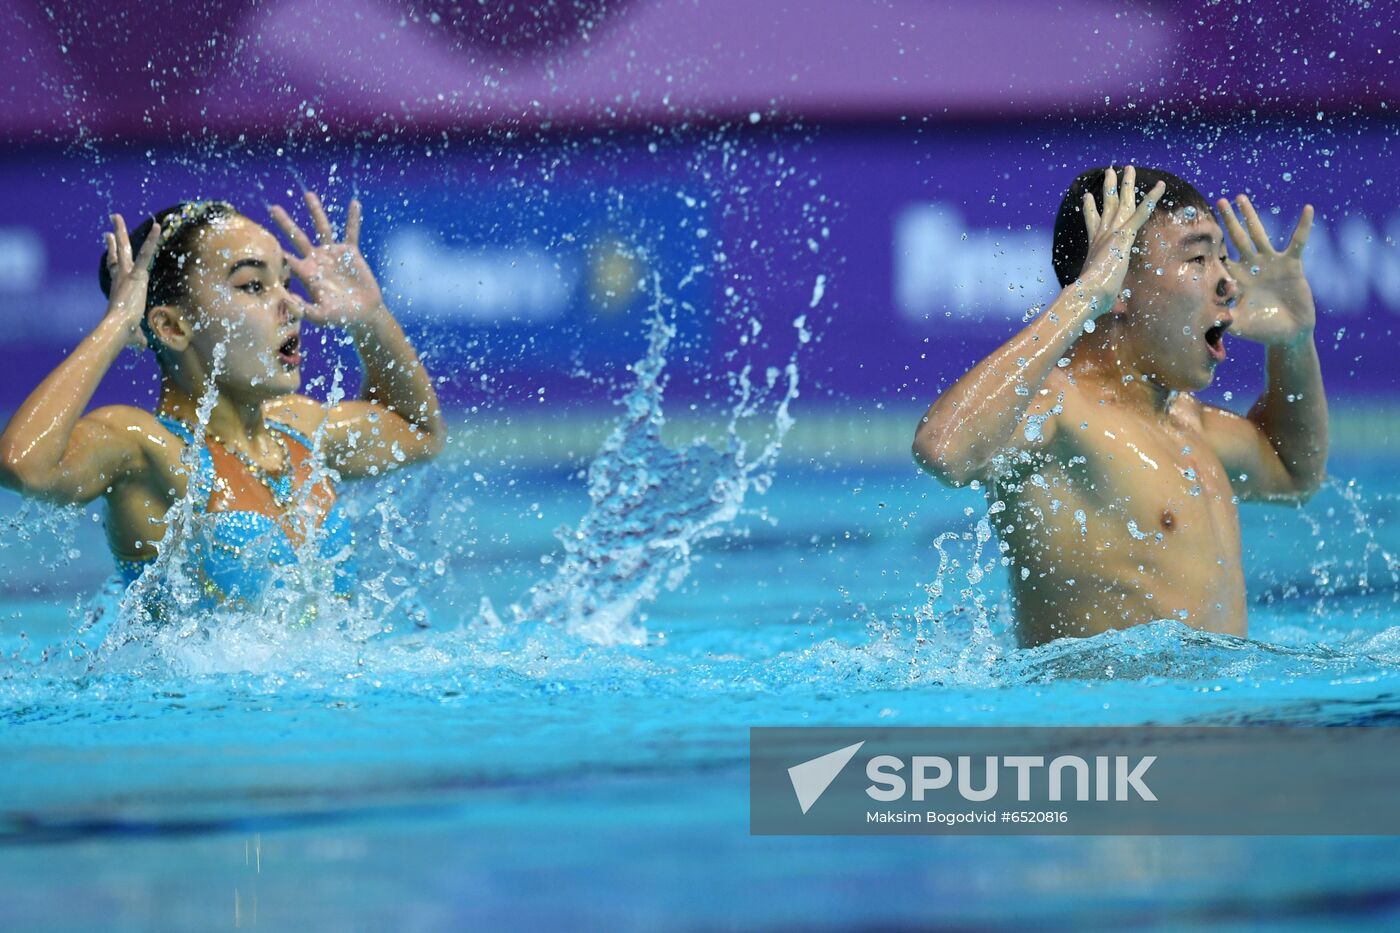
525	166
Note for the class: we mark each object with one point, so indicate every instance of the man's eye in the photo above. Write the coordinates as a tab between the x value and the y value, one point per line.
1200	259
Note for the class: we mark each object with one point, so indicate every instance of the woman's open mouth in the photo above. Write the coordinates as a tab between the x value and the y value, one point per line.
289	352
1215	340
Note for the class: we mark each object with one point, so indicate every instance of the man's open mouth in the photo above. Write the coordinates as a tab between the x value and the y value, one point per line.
289	352
1215	339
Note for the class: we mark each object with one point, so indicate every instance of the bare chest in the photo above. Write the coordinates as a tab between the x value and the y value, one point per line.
1132	490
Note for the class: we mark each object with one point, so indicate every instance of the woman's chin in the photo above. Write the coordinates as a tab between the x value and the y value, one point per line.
276	385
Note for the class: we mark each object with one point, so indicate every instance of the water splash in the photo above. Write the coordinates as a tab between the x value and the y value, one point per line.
162	621
651	505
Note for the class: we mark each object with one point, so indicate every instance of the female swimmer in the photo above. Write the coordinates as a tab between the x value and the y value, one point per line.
209	291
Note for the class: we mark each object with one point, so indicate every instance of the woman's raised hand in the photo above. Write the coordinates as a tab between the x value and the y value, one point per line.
130	279
1111	236
342	288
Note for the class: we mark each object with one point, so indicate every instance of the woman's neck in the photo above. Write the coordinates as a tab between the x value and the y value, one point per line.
231	421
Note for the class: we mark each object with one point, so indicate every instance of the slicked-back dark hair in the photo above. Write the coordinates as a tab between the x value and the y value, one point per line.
1071	244
179	225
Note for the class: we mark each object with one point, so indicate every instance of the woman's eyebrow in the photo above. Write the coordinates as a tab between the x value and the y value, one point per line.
255	263
252	262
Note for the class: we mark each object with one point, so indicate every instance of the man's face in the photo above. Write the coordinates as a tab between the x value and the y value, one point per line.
1180	298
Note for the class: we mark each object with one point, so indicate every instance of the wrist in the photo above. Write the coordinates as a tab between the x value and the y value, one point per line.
370	323
1078	305
1301	341
118	328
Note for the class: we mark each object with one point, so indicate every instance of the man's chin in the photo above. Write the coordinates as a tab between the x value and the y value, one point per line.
1206	378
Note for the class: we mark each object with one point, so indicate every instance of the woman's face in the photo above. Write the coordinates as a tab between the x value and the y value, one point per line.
238	296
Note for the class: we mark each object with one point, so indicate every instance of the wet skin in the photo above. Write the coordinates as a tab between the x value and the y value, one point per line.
1114	491
240	282
1126	513
1122	518
238	326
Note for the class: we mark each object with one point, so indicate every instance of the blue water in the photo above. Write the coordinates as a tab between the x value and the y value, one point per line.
567	742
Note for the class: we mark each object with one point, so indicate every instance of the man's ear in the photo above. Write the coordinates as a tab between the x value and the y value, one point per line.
169	326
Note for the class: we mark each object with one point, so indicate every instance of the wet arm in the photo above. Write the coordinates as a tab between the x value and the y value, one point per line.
396	380
978	416
1292	413
48	449
1286	459
396	421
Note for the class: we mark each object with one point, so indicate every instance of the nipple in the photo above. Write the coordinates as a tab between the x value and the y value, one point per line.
1168	519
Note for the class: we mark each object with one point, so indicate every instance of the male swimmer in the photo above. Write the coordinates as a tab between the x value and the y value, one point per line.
1114	490
209	291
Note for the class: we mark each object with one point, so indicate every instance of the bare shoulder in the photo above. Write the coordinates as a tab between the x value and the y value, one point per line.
300	412
1057	389
123	417
128	426
1205	418
113	447
1057	399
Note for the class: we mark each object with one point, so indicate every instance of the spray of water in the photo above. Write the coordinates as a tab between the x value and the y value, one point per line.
651	505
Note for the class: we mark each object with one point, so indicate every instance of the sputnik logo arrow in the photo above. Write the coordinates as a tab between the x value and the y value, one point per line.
811	778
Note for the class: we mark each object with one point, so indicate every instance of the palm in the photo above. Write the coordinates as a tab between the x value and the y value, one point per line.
129	278
1111	235
1276	303
338	280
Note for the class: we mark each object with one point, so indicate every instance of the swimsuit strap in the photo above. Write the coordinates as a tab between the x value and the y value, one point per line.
203	480
290	431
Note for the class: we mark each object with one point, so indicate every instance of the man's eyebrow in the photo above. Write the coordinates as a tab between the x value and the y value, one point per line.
1196	239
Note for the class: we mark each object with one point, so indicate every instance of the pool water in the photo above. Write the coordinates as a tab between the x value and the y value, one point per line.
567	741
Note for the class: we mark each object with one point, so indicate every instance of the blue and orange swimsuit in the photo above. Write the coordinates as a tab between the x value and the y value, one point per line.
248	534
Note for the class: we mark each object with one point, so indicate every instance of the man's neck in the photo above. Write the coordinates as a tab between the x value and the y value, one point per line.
1107	363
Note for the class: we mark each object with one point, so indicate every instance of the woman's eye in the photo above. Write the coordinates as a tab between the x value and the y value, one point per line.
252	287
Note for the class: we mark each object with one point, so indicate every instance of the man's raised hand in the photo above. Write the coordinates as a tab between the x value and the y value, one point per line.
1111	236
1275	305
